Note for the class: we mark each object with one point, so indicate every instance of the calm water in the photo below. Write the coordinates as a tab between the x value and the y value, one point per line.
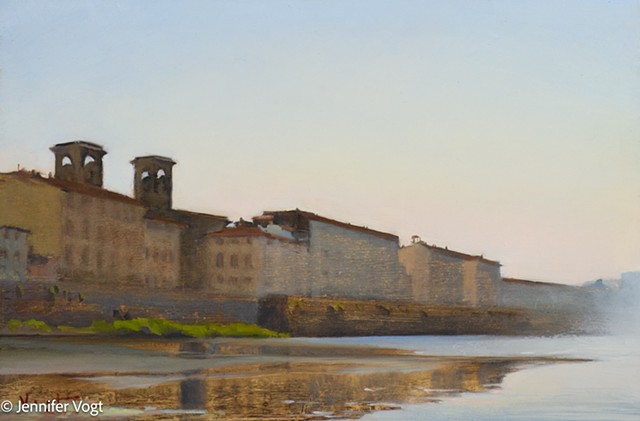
606	389
476	377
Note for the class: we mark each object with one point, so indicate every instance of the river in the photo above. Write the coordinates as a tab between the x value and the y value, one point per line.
576	378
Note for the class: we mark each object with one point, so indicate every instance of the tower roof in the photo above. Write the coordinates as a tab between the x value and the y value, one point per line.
153	158
80	143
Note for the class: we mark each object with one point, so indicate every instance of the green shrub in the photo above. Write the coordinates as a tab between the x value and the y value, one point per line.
13	325
31	324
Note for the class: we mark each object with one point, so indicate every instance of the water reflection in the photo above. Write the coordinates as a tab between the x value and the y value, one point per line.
305	385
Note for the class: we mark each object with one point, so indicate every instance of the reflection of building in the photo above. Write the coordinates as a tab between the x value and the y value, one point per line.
13	253
440	276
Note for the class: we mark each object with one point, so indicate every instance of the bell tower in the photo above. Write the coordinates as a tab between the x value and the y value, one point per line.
153	183
80	162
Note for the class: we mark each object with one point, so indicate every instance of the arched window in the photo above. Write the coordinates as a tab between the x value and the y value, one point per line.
220	260
88	160
160	174
66	160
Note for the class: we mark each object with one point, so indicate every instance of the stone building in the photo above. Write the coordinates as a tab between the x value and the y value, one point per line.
162	252
249	261
344	260
13	253
96	235
440	276
534	295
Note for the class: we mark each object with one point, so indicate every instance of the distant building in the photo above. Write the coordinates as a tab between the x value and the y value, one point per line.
13	253
95	235
345	260
535	295
249	261
440	276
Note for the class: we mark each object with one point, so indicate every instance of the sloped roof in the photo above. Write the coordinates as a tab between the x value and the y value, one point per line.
453	253
74	187
313	217
247	232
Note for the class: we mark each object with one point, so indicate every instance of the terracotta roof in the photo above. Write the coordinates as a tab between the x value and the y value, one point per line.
458	254
247	232
313	217
165	220
189	214
75	187
535	283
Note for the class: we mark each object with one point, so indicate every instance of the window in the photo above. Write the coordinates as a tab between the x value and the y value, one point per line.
99	261
248	261
85	256
220	260
234	260
88	160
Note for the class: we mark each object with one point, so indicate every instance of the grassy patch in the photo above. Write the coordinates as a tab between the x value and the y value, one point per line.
159	327
153	327
28	325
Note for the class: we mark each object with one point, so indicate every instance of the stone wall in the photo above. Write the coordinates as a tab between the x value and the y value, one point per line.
103	239
78	304
313	316
546	296
436	274
13	253
354	263
286	268
482	282
162	253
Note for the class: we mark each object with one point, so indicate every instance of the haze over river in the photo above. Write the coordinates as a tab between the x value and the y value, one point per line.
373	378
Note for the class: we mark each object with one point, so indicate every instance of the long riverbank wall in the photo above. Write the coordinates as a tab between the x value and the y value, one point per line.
303	316
77	304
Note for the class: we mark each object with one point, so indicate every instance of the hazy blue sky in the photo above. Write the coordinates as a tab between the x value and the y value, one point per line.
509	128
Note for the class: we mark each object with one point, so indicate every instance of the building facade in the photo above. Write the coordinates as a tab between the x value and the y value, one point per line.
440	276
344	260
90	234
13	253
251	262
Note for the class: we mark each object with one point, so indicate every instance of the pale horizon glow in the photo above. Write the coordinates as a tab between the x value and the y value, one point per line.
508	129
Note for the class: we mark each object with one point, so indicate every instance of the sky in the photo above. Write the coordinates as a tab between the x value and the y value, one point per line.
508	129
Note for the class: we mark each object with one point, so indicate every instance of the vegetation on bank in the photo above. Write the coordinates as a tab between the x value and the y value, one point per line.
154	327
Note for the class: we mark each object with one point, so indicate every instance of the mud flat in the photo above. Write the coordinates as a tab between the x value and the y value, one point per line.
238	379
